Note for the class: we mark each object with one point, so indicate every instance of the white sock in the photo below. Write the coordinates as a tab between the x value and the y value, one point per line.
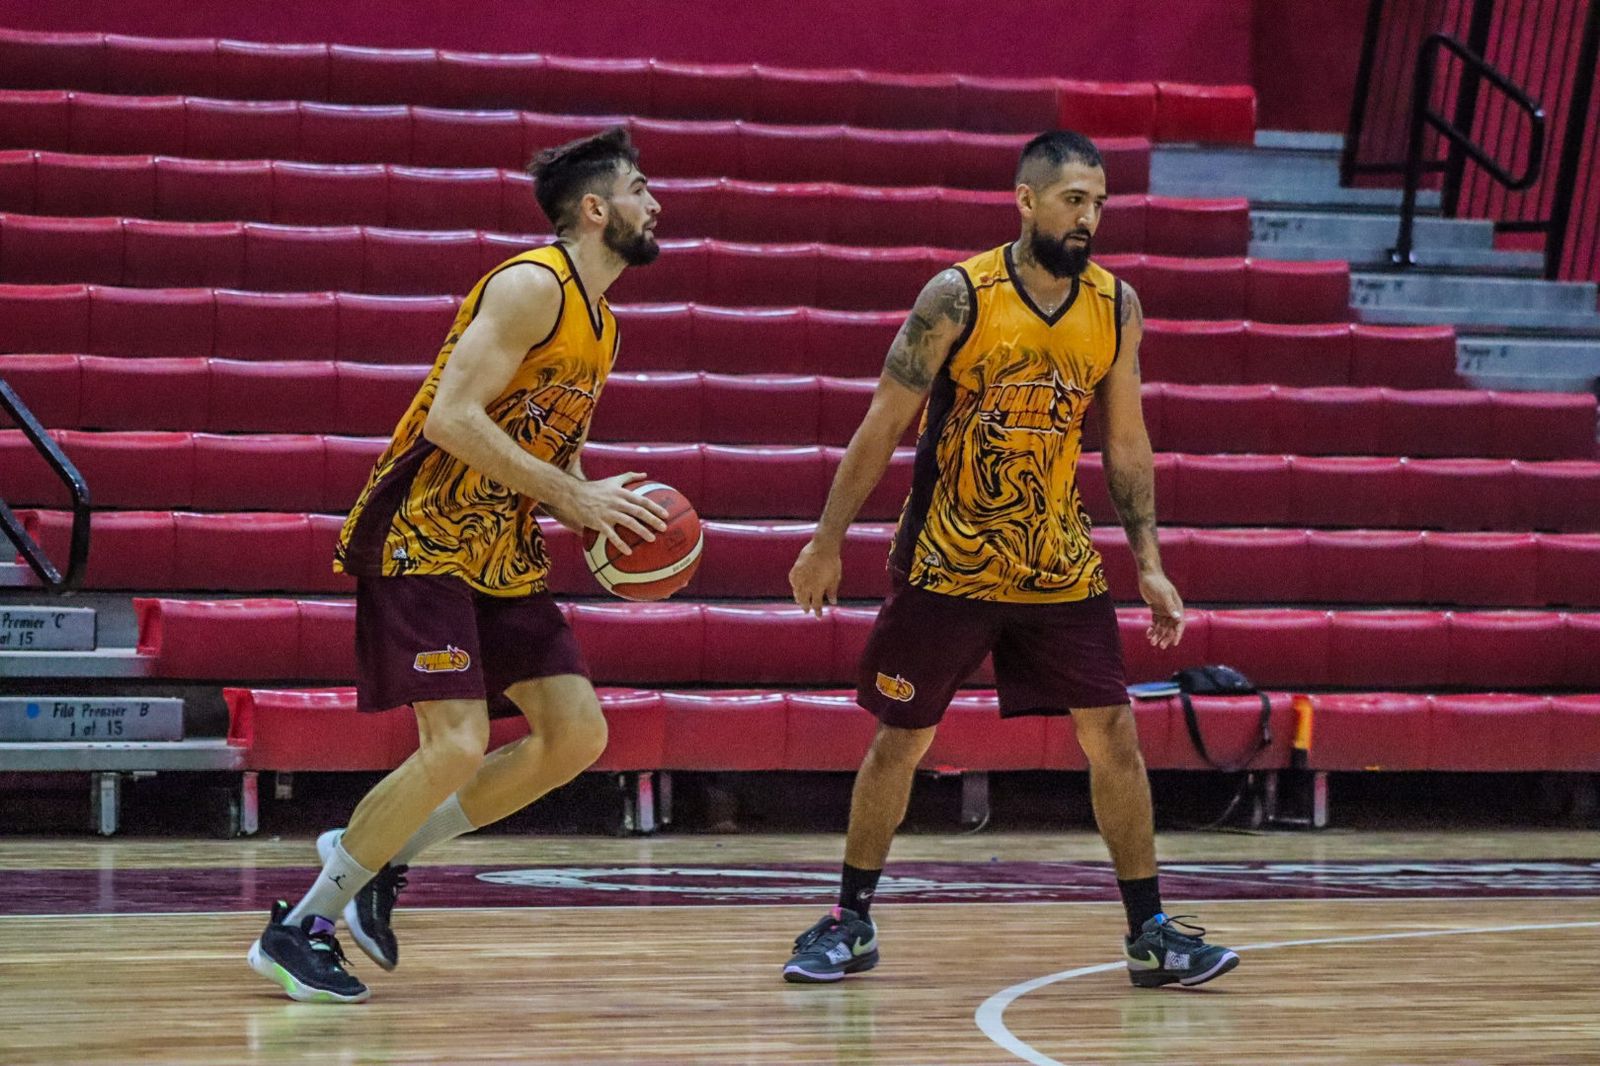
335	886
447	822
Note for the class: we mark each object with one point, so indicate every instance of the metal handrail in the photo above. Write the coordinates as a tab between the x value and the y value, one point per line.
1423	116
32	554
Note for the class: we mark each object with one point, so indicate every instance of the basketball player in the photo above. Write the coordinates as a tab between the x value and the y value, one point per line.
452	610
993	552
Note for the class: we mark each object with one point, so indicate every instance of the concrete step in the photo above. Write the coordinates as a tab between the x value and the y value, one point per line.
1428	260
1486	319
119	719
25	756
1270	177
1367	231
33	629
1555	364
102	663
1513	295
116	625
1301	140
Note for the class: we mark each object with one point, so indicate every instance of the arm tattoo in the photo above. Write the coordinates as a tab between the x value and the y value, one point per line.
1134	493
917	352
1132	314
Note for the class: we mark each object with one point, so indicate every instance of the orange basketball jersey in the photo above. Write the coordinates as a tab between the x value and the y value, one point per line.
994	512
424	511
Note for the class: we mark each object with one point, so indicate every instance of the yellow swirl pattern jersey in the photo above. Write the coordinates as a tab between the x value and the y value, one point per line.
994	511
423	511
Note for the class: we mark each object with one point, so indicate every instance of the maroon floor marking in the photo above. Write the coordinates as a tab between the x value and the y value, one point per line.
53	891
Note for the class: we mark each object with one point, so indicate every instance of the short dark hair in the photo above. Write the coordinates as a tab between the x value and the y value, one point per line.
1058	148
564	175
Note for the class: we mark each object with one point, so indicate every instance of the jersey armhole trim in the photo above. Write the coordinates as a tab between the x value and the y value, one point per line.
561	312
972	320
1117	311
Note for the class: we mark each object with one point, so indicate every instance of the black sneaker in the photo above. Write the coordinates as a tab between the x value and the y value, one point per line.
368	914
841	943
305	960
1161	955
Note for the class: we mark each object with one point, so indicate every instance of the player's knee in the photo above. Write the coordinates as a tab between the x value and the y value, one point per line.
582	732
456	750
1109	737
895	747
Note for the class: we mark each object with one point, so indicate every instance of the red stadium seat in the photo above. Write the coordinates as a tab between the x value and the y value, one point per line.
1193	288
1538	425
1560	496
671	405
1403	357
1297	354
1388	648
1575	733
237	639
1236	566
826	732
1215	418
473	79
242	129
1348	491
702	90
18	180
51	386
336	133
44	318
153	65
144	394
769	645
781	95
677	149
151	322
213	190
1505	649
281	326
242	552
237	472
885	157
1481	569
849	343
328	195
1196	227
371	75
418	263
1099	109
1010	105
1256	486
348	462
1366	566
1297	292
129	549
41	120
1213	113
373	397
906	101
742	275
763	482
653	643
1231	731
467	138
1328	421
421	198
122	125
1569	570
1581	651
725	730
393	329
248	70
1464	494
102	185
682	466
135	470
602	86
1273	647
183	253
1378	731
973	737
1193	353
272	397
50	251
52	60
1429	422
744	340
1489	732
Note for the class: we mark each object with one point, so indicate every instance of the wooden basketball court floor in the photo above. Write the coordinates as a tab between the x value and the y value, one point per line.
997	948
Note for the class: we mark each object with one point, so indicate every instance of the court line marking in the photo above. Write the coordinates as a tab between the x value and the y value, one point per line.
990	1015
73	915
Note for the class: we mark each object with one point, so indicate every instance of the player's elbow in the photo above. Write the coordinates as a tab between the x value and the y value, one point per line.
440	428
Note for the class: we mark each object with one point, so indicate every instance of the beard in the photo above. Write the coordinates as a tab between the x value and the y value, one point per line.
634	247
1059	256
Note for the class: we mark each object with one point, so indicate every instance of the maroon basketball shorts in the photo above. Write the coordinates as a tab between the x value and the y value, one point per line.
1048	658
437	638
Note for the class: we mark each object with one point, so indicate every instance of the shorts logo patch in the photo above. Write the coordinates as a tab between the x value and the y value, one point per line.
896	688
451	660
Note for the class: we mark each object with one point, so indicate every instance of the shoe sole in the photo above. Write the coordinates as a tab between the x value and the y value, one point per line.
352	916
1157	978
798	975
300	993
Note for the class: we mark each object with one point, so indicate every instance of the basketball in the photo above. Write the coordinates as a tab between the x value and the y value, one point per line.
657	568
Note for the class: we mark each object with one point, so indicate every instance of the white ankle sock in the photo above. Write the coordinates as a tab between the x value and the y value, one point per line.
341	878
447	822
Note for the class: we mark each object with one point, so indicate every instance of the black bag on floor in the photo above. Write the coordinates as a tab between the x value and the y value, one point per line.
1221	681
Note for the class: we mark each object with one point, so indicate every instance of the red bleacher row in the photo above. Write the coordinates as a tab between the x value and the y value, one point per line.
804	410
84	123
265	552
272	352
356	75
287	730
420	263
46	249
401	197
779	644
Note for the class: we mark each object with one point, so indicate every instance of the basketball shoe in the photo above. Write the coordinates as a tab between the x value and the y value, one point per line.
368	914
841	943
305	960
1161	955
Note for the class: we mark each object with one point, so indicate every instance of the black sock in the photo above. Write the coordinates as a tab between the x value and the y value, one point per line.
1141	898
856	889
